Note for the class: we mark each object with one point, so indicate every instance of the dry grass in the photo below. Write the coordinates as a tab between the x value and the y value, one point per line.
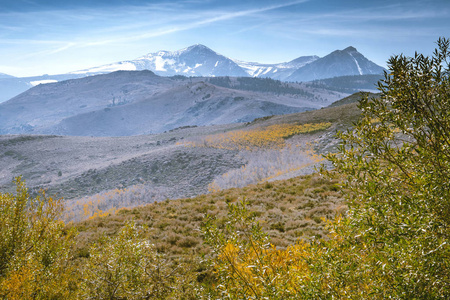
288	210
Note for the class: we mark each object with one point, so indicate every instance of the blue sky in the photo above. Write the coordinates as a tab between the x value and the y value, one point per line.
57	36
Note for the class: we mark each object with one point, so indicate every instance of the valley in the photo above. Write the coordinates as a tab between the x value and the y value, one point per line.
114	172
224	150
130	138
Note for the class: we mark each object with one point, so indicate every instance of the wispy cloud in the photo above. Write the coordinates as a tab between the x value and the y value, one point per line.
220	16
143	33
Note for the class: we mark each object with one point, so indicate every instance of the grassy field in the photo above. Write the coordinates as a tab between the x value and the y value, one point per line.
288	210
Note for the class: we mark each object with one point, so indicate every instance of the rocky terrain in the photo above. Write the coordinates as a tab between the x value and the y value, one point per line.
75	166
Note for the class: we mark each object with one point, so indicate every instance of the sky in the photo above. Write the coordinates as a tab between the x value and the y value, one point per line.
58	36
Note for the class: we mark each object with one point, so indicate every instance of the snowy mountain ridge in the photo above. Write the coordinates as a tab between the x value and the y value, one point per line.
199	60
275	71
196	60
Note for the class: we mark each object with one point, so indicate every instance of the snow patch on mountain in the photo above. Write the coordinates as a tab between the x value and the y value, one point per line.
284	69
357	64
160	63
37	82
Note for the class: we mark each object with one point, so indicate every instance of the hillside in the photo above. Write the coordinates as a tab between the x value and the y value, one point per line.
354	98
179	163
139	102
350	84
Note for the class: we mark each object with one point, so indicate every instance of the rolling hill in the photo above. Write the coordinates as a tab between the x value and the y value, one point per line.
128	171
141	102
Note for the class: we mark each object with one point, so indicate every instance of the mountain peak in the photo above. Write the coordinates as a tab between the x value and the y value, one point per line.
350	49
345	62
200	60
198	48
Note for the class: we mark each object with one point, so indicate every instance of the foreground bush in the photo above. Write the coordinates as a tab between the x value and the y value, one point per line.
394	241
247	265
37	261
397	163
34	247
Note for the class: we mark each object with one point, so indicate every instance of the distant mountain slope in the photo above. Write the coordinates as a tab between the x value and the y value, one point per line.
47	104
350	84
3	75
354	98
13	86
338	63
177	107
138	102
276	71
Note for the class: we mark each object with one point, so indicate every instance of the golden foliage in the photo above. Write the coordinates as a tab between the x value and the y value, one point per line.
270	137
257	266
34	247
248	266
92	206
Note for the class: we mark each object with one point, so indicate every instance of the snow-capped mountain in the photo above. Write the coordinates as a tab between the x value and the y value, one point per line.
275	71
338	63
196	60
199	60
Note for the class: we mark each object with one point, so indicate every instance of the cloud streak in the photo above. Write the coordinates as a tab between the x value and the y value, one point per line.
222	16
168	29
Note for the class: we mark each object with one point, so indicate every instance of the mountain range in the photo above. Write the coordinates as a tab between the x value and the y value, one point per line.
124	103
199	60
